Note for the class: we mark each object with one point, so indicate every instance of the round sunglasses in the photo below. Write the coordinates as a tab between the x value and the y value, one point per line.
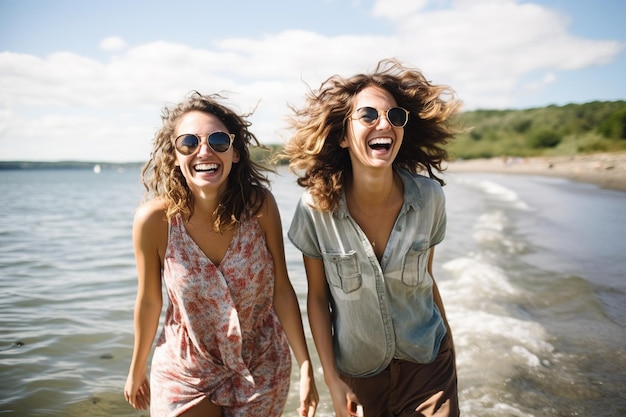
368	116
189	143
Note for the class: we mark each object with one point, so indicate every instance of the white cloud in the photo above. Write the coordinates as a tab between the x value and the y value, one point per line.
112	43
539	85
394	9
484	49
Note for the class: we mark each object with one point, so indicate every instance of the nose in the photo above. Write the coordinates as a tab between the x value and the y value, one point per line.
382	125
204	148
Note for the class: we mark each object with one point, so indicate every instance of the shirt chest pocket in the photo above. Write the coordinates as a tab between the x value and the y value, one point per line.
415	264
343	270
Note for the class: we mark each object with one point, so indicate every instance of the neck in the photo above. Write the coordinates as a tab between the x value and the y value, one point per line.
375	189
205	205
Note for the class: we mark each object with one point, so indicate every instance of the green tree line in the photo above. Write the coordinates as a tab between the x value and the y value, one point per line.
547	131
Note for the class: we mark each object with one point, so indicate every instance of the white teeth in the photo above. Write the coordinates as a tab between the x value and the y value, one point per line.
380	141
206	167
380	144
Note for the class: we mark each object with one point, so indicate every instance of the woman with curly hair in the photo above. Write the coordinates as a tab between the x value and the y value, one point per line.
367	225
210	230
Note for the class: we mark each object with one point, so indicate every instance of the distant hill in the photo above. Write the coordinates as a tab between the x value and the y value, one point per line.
548	131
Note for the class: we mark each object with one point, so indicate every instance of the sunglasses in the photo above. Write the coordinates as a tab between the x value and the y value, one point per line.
189	143
368	116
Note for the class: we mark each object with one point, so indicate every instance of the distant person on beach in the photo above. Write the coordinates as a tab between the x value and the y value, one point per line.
211	231
367	225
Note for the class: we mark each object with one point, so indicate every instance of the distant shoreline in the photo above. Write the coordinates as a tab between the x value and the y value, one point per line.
42	165
607	170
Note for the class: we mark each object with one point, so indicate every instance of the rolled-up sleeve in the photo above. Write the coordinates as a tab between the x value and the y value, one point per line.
302	231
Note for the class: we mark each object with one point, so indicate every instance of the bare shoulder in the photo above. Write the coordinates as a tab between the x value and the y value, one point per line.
151	214
150	228
269	214
270	201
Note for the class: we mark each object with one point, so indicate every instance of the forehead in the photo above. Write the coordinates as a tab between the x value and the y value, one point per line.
374	96
199	123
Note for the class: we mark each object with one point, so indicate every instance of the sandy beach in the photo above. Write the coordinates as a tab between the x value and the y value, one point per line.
607	170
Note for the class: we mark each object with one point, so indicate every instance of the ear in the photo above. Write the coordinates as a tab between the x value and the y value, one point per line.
345	141
236	156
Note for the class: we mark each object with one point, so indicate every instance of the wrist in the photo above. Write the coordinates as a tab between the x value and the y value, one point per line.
332	378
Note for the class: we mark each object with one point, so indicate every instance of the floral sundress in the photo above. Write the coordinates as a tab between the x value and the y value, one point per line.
221	338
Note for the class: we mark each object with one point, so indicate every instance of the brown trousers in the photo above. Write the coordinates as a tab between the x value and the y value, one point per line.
407	389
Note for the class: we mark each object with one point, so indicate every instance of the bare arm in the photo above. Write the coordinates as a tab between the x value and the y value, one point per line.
287	308
437	296
149	240
321	327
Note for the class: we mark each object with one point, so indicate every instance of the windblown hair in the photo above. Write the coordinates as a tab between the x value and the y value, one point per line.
314	150
246	187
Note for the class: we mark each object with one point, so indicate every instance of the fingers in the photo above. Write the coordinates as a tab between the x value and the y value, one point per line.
307	408
354	409
145	390
140	399
143	396
311	410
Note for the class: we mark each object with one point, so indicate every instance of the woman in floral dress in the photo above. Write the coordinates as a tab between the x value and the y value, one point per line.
210	231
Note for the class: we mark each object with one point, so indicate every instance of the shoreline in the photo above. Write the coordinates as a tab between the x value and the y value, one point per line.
607	170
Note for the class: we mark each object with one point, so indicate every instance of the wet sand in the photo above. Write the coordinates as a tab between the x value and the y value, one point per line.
607	170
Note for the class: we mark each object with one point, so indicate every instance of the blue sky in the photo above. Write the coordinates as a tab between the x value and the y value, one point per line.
83	80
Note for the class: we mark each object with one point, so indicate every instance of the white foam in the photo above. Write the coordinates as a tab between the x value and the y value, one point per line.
495	220
478	407
506	409
478	278
522	336
530	358
487	328
492	228
496	190
502	193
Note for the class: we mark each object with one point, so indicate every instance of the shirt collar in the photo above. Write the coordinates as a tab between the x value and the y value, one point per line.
412	196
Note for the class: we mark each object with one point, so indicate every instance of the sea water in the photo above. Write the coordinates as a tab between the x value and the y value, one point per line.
532	274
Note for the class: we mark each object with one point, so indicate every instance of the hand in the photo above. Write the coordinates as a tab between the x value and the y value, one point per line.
355	409
345	401
309	397
137	392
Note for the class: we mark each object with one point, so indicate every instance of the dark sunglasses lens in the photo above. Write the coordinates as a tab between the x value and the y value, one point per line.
397	116
219	141
367	115
187	144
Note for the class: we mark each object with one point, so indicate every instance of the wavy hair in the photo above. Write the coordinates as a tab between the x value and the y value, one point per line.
246	187
322	166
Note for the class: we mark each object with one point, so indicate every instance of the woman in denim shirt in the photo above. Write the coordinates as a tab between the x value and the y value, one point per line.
367	225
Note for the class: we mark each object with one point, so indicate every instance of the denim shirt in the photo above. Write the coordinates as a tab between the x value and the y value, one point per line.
380	311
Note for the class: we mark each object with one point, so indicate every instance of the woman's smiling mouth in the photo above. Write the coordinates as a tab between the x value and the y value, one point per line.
380	144
206	167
